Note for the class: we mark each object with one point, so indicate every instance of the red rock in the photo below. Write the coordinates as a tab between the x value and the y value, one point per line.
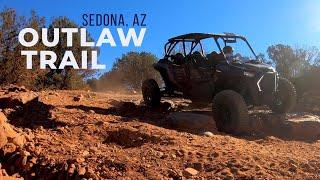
25	153
90	173
3	118
80	160
19	140
13	99
82	171
78	98
85	153
188	172
9	148
5	128
3	139
71	169
33	160
15	88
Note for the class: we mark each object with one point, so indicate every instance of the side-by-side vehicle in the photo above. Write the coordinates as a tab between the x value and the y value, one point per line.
213	68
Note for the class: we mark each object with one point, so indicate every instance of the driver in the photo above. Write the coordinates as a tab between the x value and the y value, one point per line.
228	52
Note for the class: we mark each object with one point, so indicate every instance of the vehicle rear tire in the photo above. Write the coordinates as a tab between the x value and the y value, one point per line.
286	98
230	112
151	93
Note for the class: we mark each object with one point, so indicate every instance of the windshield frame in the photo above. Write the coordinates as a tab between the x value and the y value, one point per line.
194	43
233	39
225	37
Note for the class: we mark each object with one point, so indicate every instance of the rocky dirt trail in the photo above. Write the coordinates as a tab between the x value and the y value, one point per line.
78	134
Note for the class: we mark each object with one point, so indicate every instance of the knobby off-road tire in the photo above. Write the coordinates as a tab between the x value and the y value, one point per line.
230	112
151	93
286	97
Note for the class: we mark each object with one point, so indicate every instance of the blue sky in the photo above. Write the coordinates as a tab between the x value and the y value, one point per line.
264	23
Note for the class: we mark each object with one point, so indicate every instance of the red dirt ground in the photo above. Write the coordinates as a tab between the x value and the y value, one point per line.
79	134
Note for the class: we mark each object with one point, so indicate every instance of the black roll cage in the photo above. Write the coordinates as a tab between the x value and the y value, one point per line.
172	45
195	39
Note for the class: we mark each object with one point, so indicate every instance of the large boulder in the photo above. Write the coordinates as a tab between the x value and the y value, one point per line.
304	127
23	108
292	126
14	88
191	122
6	128
3	139
296	126
14	99
8	134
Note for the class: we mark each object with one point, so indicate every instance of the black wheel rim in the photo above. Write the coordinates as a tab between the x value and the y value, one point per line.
147	96
226	117
279	99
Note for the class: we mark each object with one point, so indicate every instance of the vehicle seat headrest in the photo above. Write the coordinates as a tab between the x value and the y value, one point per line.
196	53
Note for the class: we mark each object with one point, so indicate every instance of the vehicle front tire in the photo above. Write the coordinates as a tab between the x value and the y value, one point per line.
151	93
230	112
286	97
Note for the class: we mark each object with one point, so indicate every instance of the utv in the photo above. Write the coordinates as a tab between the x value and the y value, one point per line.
231	82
